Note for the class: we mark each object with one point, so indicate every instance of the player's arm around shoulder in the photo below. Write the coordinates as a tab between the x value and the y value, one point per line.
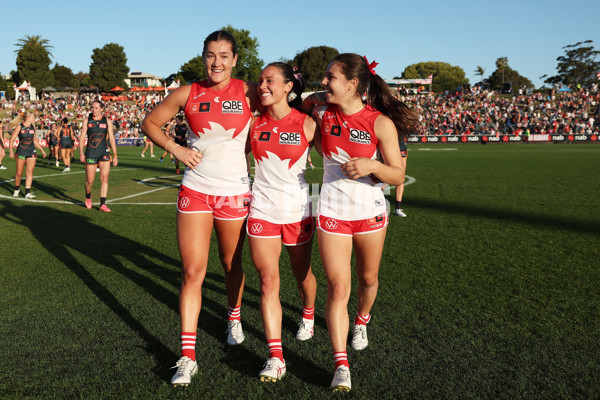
252	97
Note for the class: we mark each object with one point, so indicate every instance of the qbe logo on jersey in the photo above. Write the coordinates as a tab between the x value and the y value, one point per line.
289	138
361	137
232	107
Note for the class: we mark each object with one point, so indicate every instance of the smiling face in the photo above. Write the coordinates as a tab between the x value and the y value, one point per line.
272	87
337	88
219	61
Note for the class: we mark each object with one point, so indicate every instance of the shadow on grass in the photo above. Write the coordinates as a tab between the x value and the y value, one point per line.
540	220
61	233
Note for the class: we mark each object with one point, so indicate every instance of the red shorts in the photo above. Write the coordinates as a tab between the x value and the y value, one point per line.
291	234
349	228
222	207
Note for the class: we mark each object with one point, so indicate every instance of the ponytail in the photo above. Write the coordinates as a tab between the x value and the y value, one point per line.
15	121
404	118
375	92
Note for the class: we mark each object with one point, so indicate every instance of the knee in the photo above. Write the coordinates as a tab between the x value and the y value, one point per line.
193	276
338	291
231	263
369	281
269	285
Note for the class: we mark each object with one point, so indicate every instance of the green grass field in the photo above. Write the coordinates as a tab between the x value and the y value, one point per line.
490	288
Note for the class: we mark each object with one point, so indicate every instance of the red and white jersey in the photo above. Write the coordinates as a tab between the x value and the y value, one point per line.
280	193
219	121
344	137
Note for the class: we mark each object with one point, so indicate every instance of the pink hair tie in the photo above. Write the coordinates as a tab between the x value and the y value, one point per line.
297	75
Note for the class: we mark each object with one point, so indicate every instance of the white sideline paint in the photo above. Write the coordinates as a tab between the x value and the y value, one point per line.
409	181
111	201
440	149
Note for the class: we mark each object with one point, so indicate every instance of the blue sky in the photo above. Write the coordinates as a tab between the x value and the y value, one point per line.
158	37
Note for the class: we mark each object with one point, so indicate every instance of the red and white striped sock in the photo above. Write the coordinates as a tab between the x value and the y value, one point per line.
340	358
188	345
275	348
234	313
362	319
308	313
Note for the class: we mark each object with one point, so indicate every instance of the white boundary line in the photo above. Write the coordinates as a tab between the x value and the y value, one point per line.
440	149
112	201
409	180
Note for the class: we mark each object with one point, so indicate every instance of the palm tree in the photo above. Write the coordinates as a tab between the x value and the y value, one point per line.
480	71
34	41
501	64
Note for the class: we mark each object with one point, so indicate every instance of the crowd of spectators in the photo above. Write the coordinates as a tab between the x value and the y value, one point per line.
477	111
464	112
127	115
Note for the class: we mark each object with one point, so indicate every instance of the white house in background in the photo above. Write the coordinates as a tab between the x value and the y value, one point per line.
142	79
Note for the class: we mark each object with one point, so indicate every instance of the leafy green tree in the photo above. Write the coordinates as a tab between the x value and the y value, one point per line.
313	62
82	79
63	76
7	86
33	61
193	70
505	74
248	64
501	65
480	71
174	77
109	67
445	76
577	66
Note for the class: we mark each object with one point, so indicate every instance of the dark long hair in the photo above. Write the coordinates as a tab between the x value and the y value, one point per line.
378	94
290	75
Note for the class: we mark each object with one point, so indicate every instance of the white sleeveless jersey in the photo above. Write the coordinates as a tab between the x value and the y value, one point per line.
219	121
280	193
344	137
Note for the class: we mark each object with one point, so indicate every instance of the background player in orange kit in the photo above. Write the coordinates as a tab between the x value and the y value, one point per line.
215	189
361	121
280	211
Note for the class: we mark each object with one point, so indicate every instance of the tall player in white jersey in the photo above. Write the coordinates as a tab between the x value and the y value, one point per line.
215	189
280	211
359	141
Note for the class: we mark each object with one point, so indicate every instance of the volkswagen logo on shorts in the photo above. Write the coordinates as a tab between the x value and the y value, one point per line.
184	202
256	228
331	224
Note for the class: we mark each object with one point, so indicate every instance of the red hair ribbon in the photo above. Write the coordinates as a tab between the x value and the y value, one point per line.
371	65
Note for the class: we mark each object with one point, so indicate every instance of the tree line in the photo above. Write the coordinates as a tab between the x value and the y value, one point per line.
108	67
